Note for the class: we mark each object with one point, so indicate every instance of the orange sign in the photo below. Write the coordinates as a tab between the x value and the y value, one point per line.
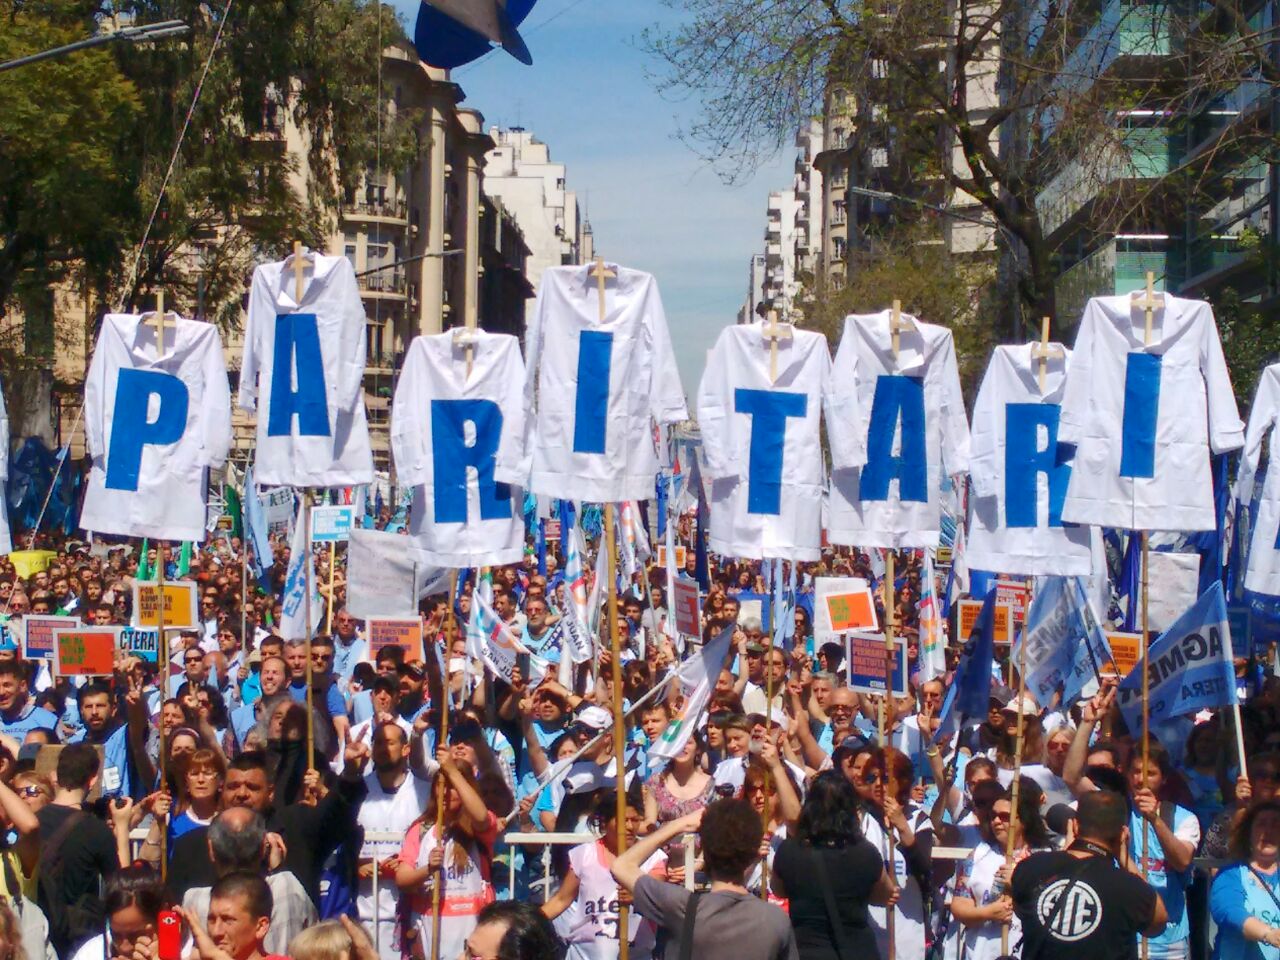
87	652
681	556
970	610
406	634
1126	651
851	611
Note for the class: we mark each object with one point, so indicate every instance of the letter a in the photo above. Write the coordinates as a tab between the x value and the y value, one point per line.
298	351
896	399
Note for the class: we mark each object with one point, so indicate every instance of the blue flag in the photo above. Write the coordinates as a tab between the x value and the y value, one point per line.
973	673
255	530
1208	543
1190	666
1130	580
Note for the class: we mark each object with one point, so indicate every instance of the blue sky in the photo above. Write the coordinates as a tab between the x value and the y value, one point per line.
653	203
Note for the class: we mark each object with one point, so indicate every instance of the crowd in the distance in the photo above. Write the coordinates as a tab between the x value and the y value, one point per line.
801	831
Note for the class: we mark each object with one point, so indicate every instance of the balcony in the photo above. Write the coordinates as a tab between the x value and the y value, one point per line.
376	210
384	285
1234	232
773	253
1117	267
1138	153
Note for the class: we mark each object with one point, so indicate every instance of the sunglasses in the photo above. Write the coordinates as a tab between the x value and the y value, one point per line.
31	791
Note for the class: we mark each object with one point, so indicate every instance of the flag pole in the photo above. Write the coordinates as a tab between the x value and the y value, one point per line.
1016	789
162	648
440	787
768	725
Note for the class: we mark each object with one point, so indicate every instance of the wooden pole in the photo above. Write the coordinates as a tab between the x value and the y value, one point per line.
333	560
1016	789
162	647
439	785
619	733
768	713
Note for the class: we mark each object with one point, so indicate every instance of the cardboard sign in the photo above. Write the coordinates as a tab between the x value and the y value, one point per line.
37	634
277	510
970	610
406	634
143	642
866	655
1126	651
942	558
841	604
84	652
551	530
1016	592
681	556
332	524
686	604
181	609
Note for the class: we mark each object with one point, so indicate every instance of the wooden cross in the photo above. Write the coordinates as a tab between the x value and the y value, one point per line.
601	273
465	337
157	319
1043	351
773	332
896	326
1149	304
299	269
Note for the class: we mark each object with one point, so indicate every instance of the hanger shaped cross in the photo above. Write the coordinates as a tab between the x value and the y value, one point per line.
601	273
300	258
896	326
774	332
157	321
1043	352
1149	303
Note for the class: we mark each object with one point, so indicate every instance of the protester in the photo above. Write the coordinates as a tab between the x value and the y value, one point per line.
1245	899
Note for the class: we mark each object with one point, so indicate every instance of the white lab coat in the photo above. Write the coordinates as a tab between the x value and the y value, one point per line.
169	501
435	372
1012	381
1196	413
643	385
343	457
926	353
1262	572
739	361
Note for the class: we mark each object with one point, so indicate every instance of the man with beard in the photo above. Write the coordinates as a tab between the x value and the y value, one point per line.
18	714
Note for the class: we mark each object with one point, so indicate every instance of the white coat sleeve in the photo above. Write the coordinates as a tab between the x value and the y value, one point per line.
955	424
714	411
1077	395
408	410
216	414
1262	416
250	361
353	340
984	441
846	431
95	402
666	393
511	446
1226	431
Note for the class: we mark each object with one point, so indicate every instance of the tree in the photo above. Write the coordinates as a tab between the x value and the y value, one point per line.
1029	107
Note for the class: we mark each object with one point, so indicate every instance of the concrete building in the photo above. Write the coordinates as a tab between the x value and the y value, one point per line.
749	312
792	236
519	171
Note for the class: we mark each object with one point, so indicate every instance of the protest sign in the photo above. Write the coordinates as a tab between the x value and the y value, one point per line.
865	652
37	634
551	530
405	634
968	611
1126	650
680	553
1174	580
384	578
686	604
84	652
1064	645
332	524
840	604
141	642
180	604
751	609
277	510
1016	592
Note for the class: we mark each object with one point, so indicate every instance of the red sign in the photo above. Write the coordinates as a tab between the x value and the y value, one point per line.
87	652
687	605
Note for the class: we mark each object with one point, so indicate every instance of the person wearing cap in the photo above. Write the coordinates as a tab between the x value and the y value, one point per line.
985	738
413	701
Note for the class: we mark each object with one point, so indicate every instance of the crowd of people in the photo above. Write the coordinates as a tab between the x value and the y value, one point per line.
218	816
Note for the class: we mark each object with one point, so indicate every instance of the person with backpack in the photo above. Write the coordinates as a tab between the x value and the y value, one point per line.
78	853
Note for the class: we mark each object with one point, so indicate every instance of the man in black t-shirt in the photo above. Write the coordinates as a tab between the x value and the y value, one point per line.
1087	900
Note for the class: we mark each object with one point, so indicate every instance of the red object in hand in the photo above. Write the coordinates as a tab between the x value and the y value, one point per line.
169	935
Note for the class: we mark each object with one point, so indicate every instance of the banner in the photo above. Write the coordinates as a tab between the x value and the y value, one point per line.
697	677
865	652
841	604
181	606
405	634
571	638
278	510
293	615
85	652
933	654
1189	666
37	634
499	647
332	524
686	606
1065	647
142	642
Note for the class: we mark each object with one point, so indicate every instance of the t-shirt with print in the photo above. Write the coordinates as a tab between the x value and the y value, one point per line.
1106	909
728	925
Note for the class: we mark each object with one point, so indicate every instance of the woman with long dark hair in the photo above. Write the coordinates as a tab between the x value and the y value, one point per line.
827	866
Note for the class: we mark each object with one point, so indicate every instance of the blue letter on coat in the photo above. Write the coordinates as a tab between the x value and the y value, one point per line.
896	399
1025	460
1141	411
451	456
769	410
591	406
298	337
131	429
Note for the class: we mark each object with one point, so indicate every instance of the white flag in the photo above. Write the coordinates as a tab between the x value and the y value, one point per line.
293	617
697	676
933	654
500	646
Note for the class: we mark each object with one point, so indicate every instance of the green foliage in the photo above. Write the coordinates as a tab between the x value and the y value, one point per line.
1249	341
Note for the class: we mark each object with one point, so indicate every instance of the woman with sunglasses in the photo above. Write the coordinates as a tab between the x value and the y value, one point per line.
910	832
590	896
982	902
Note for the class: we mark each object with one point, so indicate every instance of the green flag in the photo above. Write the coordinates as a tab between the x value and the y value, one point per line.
144	571
234	510
184	560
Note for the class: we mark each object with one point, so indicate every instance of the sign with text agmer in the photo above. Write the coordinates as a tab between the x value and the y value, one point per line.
85	652
181	610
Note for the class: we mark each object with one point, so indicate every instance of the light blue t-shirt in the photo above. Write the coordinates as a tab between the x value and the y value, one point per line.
1170	884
